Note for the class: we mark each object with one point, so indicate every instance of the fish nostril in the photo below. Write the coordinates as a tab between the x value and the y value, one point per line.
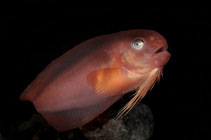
161	49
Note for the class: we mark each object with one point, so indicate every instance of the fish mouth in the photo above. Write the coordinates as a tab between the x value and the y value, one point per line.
161	49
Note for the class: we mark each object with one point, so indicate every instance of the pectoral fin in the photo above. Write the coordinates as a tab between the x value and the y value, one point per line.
110	81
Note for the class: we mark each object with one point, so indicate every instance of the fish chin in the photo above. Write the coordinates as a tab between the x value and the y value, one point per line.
160	59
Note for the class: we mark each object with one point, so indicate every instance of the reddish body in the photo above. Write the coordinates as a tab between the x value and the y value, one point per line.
63	91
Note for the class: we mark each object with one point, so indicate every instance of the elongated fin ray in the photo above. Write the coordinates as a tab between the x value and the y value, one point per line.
153	76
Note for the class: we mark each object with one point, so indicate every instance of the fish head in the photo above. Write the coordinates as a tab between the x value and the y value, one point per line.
143	50
143	53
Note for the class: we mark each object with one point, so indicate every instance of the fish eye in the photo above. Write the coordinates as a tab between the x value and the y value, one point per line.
137	44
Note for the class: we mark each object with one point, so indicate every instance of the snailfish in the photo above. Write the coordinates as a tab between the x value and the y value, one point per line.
85	81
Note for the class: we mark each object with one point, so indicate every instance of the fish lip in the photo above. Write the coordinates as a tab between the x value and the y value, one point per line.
166	56
163	53
161	49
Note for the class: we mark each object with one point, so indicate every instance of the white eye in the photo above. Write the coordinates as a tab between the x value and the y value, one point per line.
137	44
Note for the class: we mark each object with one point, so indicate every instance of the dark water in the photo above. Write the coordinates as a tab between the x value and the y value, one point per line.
32	38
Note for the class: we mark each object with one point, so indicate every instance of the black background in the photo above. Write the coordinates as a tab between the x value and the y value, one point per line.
32	38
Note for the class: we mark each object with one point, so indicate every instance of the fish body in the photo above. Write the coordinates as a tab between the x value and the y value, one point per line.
82	83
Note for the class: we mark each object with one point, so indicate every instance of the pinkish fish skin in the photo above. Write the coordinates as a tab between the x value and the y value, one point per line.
61	92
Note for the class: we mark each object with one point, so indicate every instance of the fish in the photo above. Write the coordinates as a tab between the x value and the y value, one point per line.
85	81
